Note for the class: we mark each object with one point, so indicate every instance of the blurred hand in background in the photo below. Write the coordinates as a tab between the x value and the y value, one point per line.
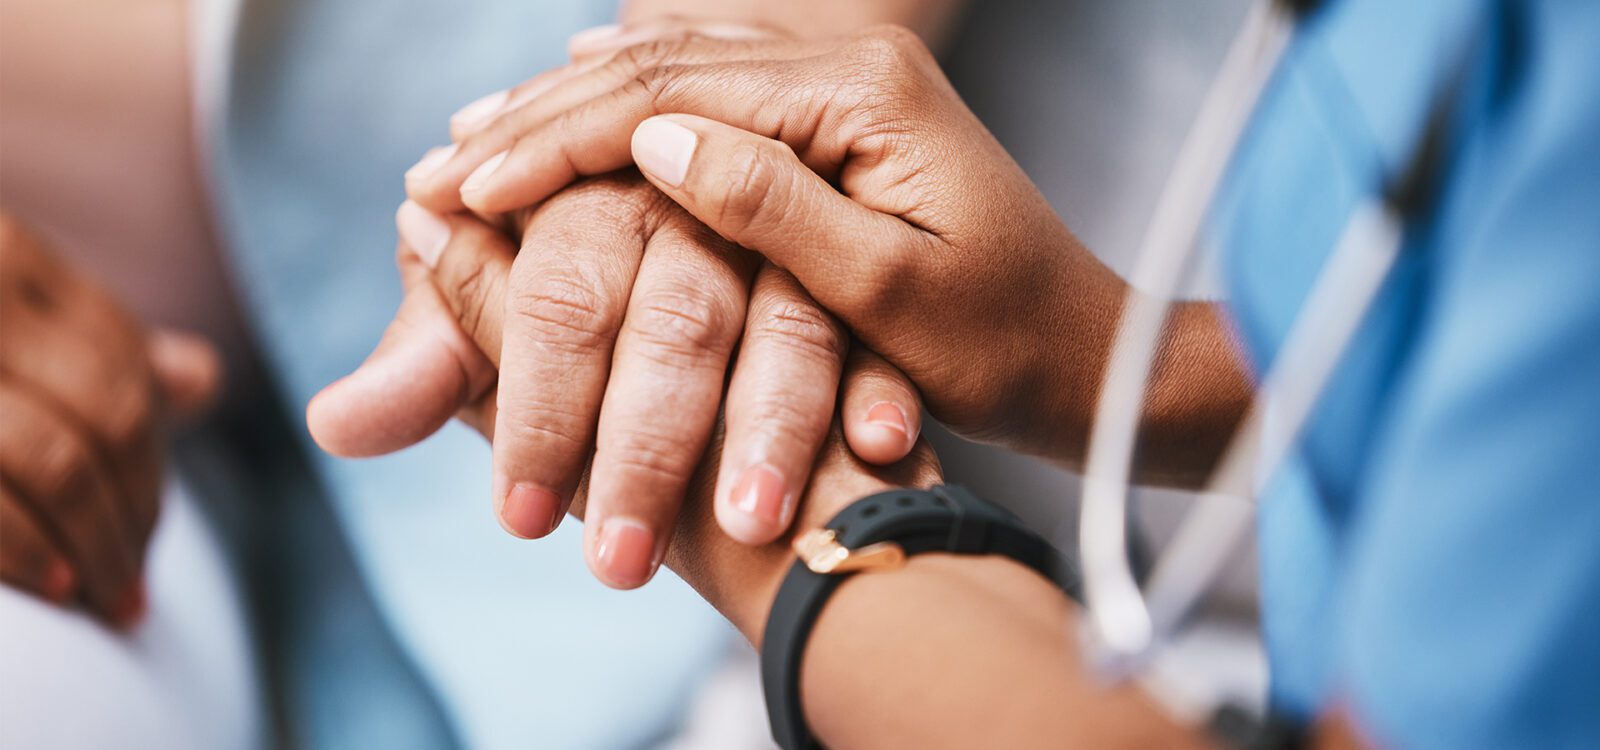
85	392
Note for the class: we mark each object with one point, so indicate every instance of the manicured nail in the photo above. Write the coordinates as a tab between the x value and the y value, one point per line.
430	162
530	512
479	111
663	149
759	494
480	176
888	416
424	231
130	609
60	582
588	38
627	553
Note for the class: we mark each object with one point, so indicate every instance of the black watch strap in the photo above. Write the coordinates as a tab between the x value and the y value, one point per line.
877	532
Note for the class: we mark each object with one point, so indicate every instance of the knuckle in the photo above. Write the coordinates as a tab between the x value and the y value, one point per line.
654	456
652	83
542	425
650	54
754	190
563	311
801	328
781	420
684	325
891	45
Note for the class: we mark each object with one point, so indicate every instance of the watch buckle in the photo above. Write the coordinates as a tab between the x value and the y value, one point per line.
822	553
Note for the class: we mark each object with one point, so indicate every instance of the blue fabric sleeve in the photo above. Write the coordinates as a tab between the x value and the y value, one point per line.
1470	615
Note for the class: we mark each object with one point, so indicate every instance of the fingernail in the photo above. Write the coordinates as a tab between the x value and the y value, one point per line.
888	415
663	148
130	608
587	38
480	176
60	582
479	111
759	494
530	512
424	231
627	553
430	162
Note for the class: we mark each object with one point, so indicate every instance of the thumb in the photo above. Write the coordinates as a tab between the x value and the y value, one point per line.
438	357
188	370
756	192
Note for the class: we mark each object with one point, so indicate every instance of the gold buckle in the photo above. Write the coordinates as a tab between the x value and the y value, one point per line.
821	551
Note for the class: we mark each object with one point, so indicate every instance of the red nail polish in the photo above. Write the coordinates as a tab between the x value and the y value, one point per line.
627	552
530	512
759	494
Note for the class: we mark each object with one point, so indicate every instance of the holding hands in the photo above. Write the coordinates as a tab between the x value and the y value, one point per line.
845	171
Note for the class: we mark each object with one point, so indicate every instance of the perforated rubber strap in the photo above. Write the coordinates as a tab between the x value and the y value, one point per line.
943	519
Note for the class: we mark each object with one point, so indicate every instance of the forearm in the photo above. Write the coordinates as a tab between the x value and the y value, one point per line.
964	652
929	18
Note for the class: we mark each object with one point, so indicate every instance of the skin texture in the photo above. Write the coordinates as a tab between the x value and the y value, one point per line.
985	623
85	392
890	204
853	165
628	314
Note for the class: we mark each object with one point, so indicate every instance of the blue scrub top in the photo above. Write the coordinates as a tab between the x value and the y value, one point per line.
1431	558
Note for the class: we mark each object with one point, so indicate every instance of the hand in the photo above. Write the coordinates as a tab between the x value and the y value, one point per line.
84	392
935	249
619	318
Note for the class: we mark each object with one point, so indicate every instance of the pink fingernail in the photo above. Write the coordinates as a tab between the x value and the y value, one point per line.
663	149
479	110
530	512
627	552
430	162
424	231
759	493
887	415
481	175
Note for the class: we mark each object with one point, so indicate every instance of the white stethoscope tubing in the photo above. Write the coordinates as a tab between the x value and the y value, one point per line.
1124	624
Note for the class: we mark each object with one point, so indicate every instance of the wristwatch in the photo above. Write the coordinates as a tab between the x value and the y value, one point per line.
880	532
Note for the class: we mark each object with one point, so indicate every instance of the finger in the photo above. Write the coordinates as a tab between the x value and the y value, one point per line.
779	404
85	357
439	179
53	467
685	314
424	369
29	559
565	302
470	267
756	192
480	113
881	411
188	370
607	40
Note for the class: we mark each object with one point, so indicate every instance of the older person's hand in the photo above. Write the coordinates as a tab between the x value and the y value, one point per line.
621	317
84	392
934	248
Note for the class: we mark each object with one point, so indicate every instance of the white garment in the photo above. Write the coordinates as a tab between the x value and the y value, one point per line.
184	678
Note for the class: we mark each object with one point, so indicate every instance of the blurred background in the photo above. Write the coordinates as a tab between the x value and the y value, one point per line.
233	169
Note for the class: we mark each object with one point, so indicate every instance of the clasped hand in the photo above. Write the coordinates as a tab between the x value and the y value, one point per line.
815	212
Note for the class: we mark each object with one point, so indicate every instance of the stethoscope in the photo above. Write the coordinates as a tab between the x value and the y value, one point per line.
1124	626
